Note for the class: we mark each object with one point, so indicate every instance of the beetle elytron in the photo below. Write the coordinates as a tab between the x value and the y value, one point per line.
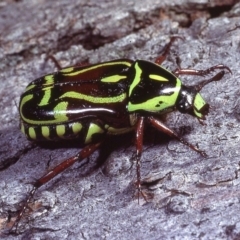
90	102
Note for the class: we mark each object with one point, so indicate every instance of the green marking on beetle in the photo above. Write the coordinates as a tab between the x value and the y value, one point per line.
113	78
49	79
197	114
45	131
46	97
92	129
25	99
158	78
32	133
76	127
67	70
22	128
60	111
117	131
22	102
158	103
94	99
136	79
29	87
90	68
60	130
198	104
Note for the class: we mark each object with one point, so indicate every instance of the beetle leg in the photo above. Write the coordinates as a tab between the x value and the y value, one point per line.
84	153
55	61
185	71
163	128
59	67
159	60
139	144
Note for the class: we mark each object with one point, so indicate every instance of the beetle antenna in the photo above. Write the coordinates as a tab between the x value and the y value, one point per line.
215	78
199	86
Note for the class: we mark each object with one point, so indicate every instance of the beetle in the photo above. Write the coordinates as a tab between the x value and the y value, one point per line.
92	101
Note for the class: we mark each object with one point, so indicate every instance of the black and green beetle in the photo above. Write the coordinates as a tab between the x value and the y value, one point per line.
110	98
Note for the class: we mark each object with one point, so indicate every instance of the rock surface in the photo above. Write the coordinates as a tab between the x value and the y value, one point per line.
192	197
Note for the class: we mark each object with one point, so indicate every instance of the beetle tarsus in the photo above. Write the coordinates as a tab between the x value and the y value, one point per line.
14	228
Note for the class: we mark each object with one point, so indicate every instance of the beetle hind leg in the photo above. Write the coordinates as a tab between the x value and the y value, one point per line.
84	153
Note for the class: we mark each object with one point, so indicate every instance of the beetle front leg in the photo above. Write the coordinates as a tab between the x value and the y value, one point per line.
163	128
139	146
203	83
186	71
84	153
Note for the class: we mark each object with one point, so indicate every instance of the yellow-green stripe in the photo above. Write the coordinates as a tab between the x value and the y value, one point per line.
94	99
137	78
74	73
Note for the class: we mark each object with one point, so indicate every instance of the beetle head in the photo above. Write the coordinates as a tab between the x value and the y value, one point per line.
190	101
